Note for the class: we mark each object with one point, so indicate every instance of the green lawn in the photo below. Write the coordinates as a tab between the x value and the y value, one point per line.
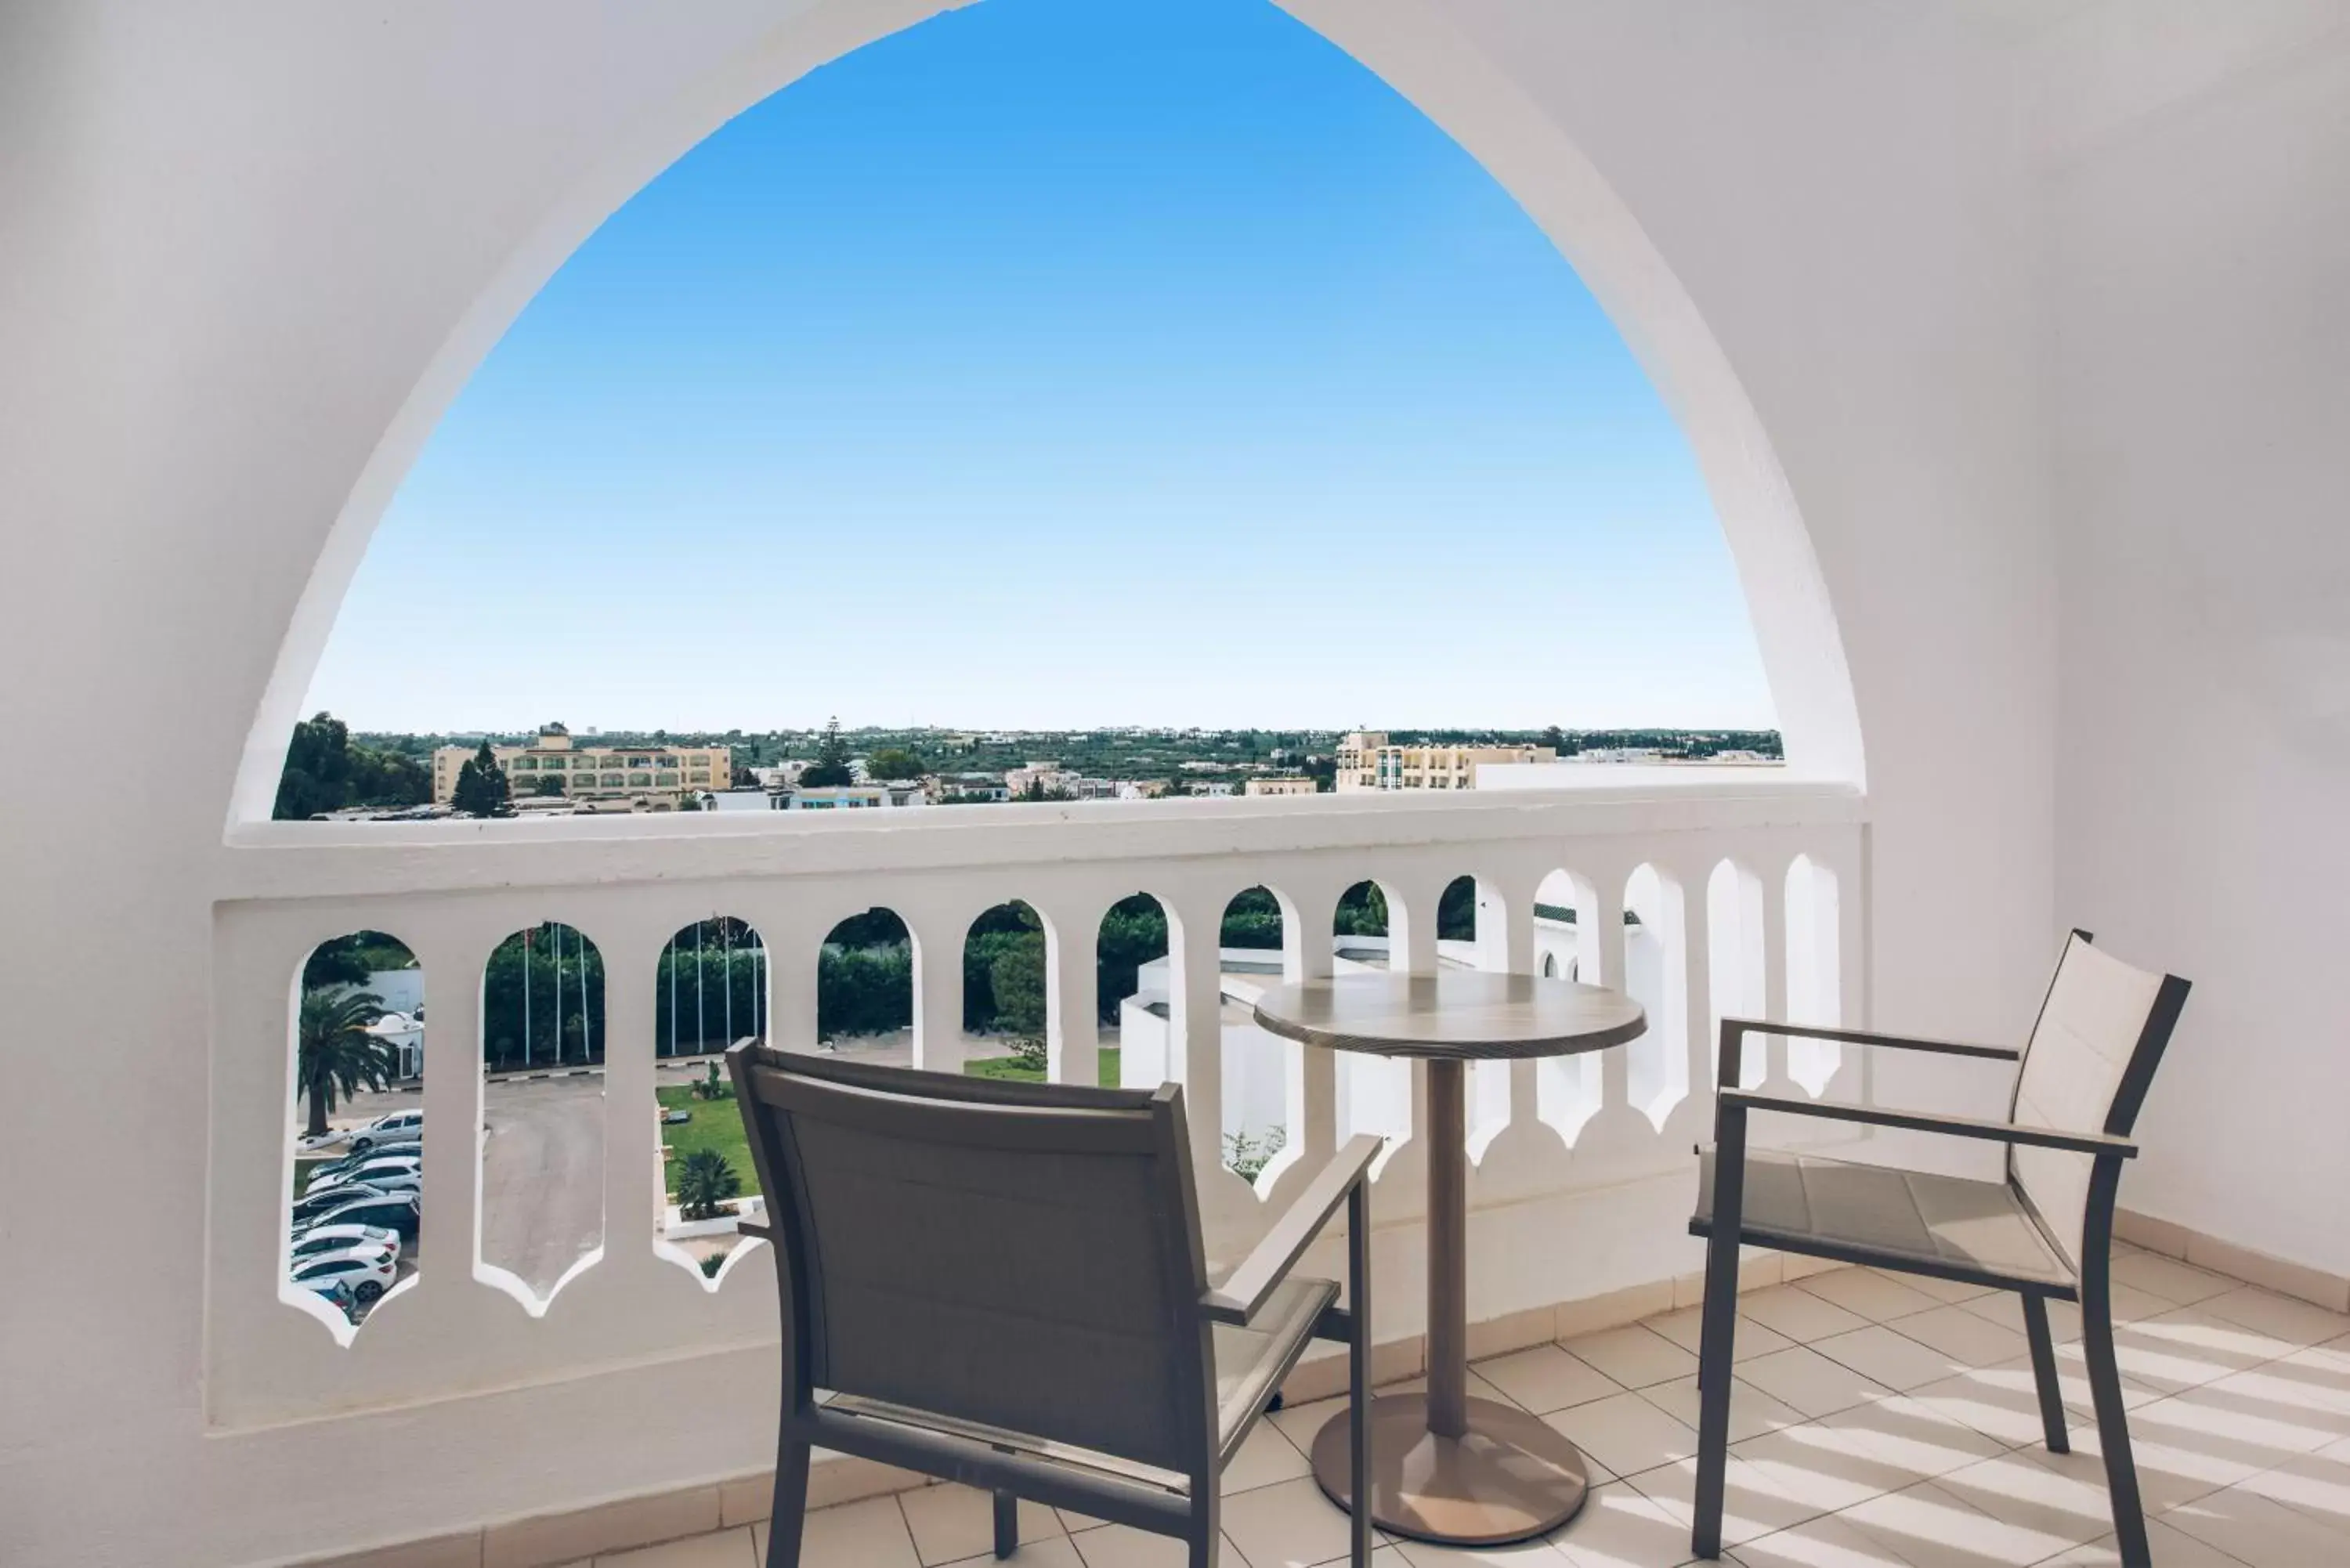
716	1124
1006	1067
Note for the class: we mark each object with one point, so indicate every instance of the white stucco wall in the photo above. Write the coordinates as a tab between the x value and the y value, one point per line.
2200	267
240	241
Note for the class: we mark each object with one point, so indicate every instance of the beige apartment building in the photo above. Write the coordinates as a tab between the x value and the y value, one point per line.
594	773
1367	761
1281	787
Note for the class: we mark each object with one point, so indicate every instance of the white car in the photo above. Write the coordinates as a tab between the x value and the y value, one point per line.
395	1159
375	1170
398	1127
379	1182
369	1273
320	1240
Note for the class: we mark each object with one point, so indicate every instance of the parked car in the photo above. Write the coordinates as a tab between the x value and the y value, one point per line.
398	1179
398	1127
328	1170
312	1205
367	1273
322	1239
387	1210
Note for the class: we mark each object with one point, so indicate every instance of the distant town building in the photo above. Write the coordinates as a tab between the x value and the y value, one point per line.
1051	778
1367	760
856	797
595	773
1281	787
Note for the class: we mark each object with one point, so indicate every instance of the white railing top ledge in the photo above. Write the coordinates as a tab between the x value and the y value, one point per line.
300	859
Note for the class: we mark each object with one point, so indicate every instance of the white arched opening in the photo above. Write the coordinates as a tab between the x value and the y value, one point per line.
1418	49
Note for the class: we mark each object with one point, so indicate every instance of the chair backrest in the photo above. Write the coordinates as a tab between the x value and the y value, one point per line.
1023	1256
2100	1036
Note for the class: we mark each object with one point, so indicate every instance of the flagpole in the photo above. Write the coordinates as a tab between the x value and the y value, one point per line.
558	933
525	995
701	1014
727	940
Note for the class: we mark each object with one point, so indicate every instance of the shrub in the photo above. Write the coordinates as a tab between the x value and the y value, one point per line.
704	1182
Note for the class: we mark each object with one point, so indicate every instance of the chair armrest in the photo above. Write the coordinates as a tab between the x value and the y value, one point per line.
1919	1121
1246	1288
1744	1026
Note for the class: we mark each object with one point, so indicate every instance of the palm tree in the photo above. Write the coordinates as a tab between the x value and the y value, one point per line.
337	1056
705	1180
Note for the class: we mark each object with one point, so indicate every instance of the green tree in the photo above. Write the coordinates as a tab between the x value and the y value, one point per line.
335	1053
830	770
1017	976
704	1181
549	783
1362	911
894	762
1552	738
481	788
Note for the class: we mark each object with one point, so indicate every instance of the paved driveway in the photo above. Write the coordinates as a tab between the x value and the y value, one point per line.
542	1175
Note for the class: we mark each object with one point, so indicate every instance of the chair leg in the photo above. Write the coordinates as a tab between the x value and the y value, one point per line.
2113	1424
1207	1527
1007	1524
1718	1329
2044	1373
1358	1375
790	1511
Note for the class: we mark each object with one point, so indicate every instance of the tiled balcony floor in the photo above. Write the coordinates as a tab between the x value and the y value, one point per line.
1877	1423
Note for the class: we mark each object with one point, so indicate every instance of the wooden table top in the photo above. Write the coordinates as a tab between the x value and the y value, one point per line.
1468	1014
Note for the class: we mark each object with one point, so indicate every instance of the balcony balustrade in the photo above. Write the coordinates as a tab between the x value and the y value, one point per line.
1755	891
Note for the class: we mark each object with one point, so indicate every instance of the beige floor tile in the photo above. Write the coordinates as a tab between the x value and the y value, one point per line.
868	1534
2172	1549
1633	1356
1944	1291
1798	1314
2184	1348
1751	1411
1867	1293
1860	1453
1123	1546
1886	1355
1620	1527
1535	1554
1686	1329
1965	1337
2174	1467
1300	1423
2315	1484
1807	1381
1546	1378
724	1549
1927	1528
1828	1542
1625	1434
2006	1309
2003	1402
951	1522
1267	1456
2063	1502
2258	1531
2168	1278
2293	1393
1287	1525
1750	1507
2279	1316
1057	1550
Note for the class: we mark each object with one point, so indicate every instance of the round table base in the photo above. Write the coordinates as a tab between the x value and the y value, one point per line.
1508	1477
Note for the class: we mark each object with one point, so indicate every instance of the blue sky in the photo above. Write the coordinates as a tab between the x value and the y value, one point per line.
1057	364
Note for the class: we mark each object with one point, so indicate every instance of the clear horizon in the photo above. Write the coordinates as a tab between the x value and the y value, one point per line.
1053	365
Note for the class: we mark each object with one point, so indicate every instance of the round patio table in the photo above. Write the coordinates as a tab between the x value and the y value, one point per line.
1445	1467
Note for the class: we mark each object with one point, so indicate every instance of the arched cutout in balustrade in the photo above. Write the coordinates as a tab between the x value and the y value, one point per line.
710	989
1656	975
1006	1005
1734	917
1374	1094
542	1140
1256	1114
1133	993
864	984
356	1128
1567	1089
1815	975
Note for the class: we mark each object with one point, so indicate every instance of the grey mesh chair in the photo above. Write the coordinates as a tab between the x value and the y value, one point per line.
2043	1230
1003	1284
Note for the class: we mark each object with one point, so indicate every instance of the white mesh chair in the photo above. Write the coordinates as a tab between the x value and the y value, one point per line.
2043	1230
